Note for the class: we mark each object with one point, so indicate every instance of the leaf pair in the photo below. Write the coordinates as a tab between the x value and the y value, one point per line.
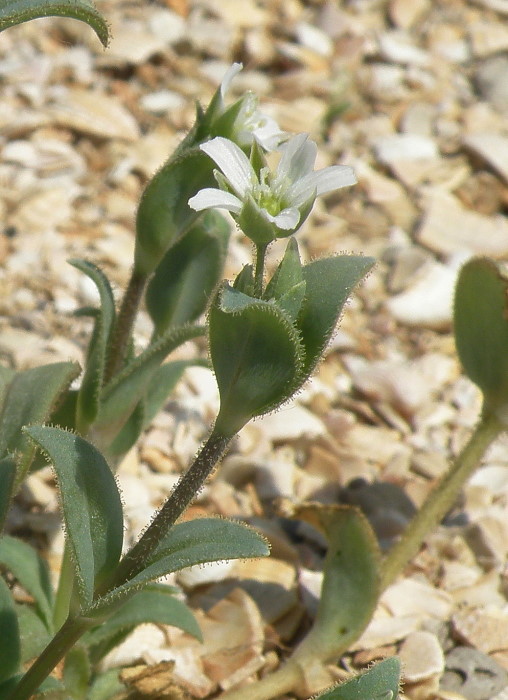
263	350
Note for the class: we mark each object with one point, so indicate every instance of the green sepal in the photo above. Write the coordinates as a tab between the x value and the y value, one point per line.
128	387
163	215
9	634
90	502
351	575
256	226
7	480
329	282
381	682
91	384
256	355
13	12
187	544
32	573
157	603
183	282
31	397
481	330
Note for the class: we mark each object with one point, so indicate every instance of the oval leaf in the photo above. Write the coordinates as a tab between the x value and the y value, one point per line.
14	12
481	328
91	505
381	682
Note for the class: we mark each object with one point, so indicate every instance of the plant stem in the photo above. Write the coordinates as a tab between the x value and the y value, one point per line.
123	326
259	271
64	591
441	498
275	684
183	494
62	642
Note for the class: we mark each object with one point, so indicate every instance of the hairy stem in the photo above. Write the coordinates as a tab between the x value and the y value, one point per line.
62	642
183	494
441	498
122	330
259	271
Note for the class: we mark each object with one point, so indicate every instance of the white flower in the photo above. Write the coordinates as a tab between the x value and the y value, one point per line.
250	123
269	205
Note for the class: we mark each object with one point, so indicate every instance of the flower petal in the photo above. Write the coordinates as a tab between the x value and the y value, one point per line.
321	182
298	158
210	198
229	75
286	219
232	161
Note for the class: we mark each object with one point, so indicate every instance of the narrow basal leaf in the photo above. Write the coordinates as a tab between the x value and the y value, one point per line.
9	634
381	682
33	633
179	291
481	328
163	214
32	573
7	479
77	672
190	543
256	355
14	12
91	384
158	604
90	501
30	398
121	395
351	582
329	282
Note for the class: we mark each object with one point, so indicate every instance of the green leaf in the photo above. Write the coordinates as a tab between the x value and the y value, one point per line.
91	384
329	283
106	686
163	214
14	12
481	328
125	390
77	672
179	291
381	682
91	505
157	604
351	583
32	573
30	398
7	478
33	633
287	285
190	543
9	634
256	355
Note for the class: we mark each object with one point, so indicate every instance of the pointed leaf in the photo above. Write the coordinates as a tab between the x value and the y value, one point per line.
7	478
91	384
77	672
14	12
179	290
125	390
163	214
351	582
481	328
91	505
256	355
329	284
33	633
194	542
32	573
30	398
157	604
381	682
9	634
